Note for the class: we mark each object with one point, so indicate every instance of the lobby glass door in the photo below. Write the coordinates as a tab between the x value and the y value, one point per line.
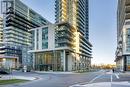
48	61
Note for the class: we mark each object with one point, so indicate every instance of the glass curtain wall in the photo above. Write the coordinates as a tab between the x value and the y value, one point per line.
127	38
128	63
46	61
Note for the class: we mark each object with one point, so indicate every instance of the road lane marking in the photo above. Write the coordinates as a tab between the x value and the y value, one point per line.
111	77
80	84
110	72
95	78
117	75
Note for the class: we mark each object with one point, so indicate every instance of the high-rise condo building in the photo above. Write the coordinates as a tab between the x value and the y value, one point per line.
74	12
18	20
64	46
123	35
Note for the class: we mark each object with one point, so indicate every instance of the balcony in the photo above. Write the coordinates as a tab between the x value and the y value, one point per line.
66	42
127	9
127	16
120	54
127	2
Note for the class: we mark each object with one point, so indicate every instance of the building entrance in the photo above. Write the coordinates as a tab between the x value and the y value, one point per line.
44	67
48	61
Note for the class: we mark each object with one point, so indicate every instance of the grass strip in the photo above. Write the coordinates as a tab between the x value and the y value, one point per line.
11	81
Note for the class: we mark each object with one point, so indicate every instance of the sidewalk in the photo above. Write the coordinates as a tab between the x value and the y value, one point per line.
7	77
105	84
127	72
124	73
51	72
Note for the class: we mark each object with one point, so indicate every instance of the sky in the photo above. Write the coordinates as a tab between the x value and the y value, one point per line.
102	25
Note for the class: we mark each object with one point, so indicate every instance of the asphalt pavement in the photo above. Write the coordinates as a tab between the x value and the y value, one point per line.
89	79
107	79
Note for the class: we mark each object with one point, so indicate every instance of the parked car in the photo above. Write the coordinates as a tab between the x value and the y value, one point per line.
4	71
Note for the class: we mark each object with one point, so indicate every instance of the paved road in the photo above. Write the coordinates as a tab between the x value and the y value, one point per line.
108	79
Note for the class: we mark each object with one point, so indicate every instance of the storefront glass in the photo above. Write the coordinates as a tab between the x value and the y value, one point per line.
46	61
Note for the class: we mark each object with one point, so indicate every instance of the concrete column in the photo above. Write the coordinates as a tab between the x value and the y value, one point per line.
64	61
17	63
122	64
35	39
70	63
40	39
33	60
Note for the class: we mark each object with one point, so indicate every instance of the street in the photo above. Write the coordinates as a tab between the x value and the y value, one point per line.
91	79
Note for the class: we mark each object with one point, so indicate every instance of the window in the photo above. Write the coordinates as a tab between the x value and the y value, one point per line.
128	40
45	38
33	39
37	38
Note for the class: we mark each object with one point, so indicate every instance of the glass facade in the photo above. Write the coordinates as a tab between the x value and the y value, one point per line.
21	18
128	63
45	61
75	35
73	32
45	38
64	36
18	20
11	51
75	13
64	46
37	38
127	40
123	35
33	40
